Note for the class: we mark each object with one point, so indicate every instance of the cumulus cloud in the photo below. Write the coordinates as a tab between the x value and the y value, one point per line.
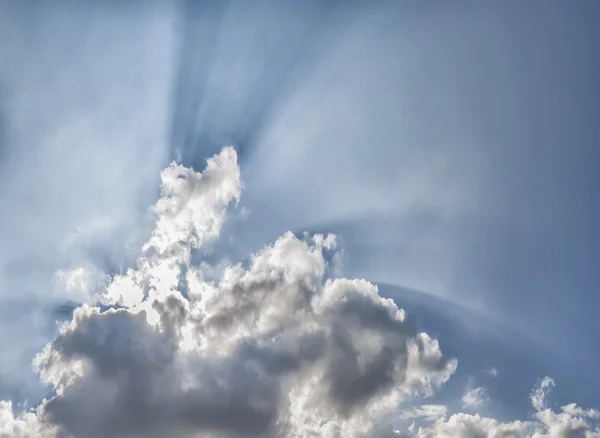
574	410
274	348
271	348
191	209
470	426
572	422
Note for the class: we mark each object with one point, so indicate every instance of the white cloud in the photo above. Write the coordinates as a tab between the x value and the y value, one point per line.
539	394
191	209
574	410
474	398
25	425
75	281
81	284
427	412
471	426
275	349
572	422
492	372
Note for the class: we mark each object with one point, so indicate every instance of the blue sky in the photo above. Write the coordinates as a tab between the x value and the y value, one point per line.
450	146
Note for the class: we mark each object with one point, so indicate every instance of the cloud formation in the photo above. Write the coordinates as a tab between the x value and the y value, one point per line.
539	394
275	347
474	398
571	422
492	372
271	349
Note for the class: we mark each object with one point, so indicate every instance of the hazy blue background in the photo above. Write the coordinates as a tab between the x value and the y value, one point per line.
453	146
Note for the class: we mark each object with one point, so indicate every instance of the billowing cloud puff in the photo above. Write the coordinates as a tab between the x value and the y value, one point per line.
273	348
191	209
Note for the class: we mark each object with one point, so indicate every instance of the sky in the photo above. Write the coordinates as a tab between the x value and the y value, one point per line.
362	219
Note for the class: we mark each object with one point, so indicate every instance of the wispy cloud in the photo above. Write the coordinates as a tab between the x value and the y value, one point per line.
474	398
492	372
